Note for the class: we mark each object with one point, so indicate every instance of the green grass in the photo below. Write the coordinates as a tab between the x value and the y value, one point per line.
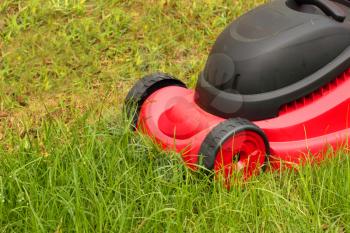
68	161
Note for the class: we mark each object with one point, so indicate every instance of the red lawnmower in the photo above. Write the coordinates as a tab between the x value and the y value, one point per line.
277	82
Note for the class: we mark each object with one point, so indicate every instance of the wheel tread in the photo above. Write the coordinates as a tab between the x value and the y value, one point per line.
143	89
219	135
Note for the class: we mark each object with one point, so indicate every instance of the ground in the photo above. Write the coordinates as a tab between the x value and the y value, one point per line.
68	161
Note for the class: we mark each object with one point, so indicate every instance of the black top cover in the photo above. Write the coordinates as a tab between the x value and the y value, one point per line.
273	55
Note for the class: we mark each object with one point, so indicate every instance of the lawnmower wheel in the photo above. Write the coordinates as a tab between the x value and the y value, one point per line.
143	89
233	145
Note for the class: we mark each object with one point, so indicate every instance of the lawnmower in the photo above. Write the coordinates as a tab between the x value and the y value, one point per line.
275	89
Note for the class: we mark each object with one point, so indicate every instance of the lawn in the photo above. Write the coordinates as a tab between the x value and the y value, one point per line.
68	161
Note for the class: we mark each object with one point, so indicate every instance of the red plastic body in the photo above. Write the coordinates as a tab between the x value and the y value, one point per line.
304	129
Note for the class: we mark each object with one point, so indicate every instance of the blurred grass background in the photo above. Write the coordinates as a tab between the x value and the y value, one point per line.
78	54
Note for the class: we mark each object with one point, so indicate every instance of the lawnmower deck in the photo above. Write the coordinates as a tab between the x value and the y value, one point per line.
304	129
275	88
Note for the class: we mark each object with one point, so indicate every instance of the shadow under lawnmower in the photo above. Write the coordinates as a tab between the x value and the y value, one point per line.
277	82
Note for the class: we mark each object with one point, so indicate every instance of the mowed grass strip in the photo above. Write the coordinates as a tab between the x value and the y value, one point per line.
68	161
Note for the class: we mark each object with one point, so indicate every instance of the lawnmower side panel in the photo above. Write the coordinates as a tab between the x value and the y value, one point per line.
292	153
304	129
322	112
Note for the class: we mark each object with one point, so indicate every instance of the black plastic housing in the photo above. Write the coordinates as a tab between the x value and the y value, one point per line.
274	54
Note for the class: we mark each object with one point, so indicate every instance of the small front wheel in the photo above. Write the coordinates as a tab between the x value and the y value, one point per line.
235	145
143	89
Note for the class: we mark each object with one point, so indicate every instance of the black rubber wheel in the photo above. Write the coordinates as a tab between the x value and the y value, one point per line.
222	132
143	89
